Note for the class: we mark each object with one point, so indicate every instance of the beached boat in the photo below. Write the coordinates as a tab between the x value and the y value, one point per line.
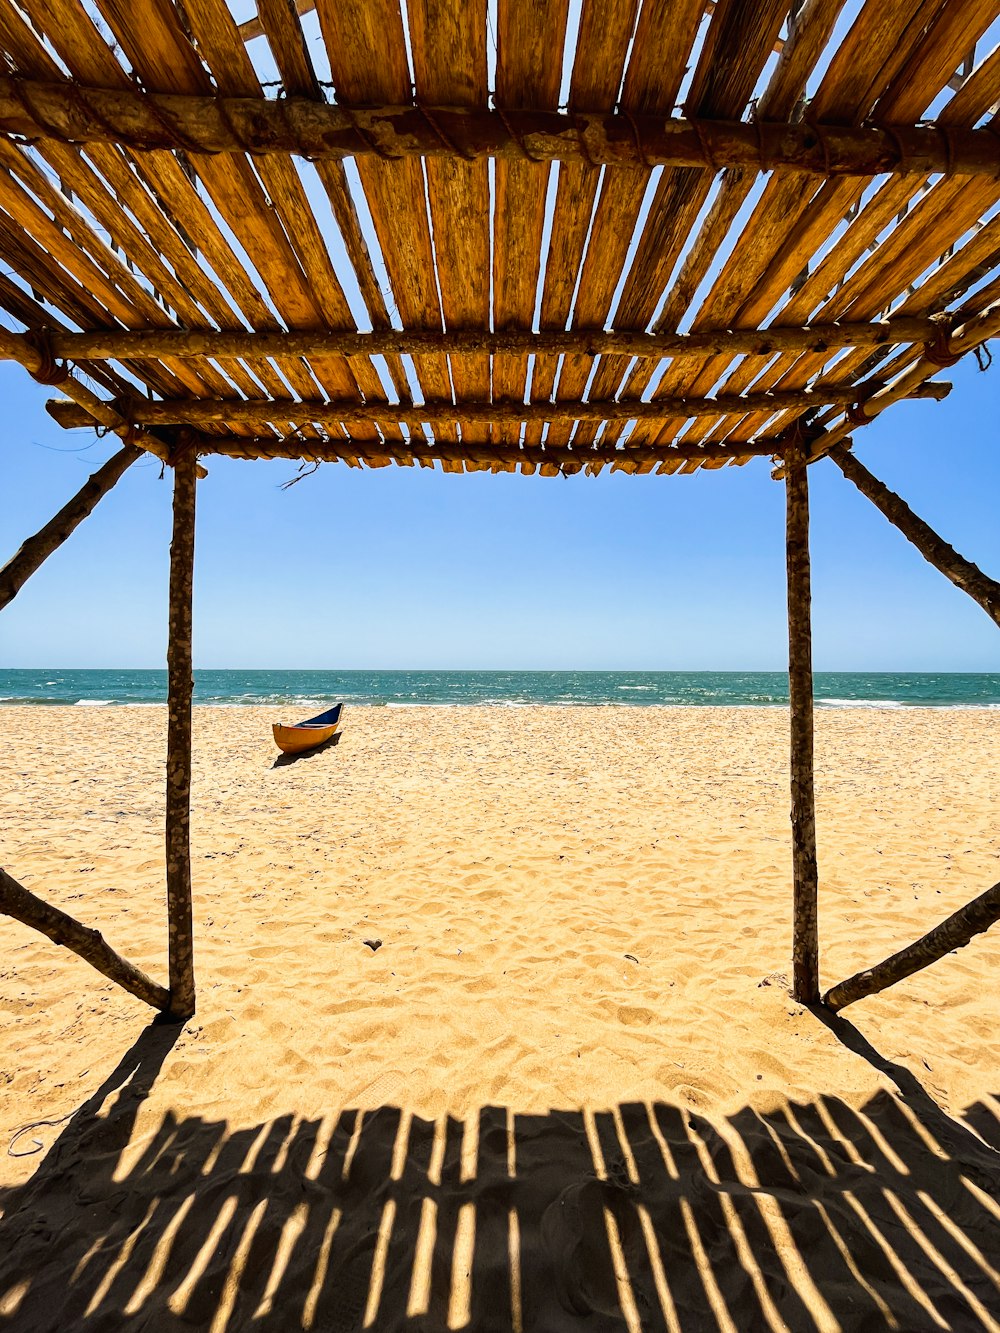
306	735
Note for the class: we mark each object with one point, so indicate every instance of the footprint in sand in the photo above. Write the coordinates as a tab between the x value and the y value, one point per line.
386	1090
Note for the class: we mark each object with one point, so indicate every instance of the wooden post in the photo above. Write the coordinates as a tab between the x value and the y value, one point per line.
37	549
963	573
805	940
953	933
89	944
180	683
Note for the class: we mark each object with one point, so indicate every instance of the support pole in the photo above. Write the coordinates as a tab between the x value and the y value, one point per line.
963	573
37	549
88	944
805	941
180	683
953	933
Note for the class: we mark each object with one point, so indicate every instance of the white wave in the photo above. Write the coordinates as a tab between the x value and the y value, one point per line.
861	703
93	703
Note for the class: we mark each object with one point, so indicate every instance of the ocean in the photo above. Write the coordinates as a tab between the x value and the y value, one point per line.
396	689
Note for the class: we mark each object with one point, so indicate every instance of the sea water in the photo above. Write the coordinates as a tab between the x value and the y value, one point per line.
723	689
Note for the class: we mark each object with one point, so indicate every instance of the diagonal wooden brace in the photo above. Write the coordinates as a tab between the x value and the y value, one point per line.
37	549
89	944
953	933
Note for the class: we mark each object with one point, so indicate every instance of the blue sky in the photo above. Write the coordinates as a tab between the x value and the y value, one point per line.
404	567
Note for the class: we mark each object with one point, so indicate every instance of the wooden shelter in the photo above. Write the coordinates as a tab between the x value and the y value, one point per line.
650	235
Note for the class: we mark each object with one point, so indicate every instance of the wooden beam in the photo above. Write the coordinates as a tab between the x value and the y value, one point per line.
972	331
550	460
953	933
21	904
180	683
36	550
963	573
94	411
141	121
155	344
261	413
805	932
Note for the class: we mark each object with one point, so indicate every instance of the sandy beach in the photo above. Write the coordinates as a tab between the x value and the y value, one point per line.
568	1089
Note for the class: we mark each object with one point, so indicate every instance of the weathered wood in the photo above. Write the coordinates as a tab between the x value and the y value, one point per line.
180	683
89	944
976	329
503	454
125	345
92	409
36	550
257	413
935	550
953	933
210	125
805	946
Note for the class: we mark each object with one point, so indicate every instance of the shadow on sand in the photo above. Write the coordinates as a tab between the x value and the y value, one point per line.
813	1215
283	760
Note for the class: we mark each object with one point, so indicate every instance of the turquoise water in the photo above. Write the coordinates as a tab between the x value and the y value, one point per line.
399	688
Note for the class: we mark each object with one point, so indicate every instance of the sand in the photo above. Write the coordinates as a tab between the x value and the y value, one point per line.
568	1090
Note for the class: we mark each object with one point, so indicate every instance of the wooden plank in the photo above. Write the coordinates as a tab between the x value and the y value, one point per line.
87	57
665	33
682	194
526	74
367	52
448	44
219	42
598	64
880	37
954	30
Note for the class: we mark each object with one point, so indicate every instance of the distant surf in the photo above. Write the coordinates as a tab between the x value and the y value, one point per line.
508	689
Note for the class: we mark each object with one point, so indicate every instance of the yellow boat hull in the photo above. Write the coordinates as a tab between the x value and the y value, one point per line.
293	740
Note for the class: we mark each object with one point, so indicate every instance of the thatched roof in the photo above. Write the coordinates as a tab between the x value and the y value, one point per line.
596	208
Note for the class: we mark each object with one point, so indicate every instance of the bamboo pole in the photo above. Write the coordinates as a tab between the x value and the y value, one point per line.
21	904
151	344
36	550
72	113
261	413
180	683
963	573
805	946
953	933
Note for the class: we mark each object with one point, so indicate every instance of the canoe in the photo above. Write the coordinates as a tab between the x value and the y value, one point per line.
307	735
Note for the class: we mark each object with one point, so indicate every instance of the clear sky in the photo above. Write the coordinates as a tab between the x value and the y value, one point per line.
405	567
